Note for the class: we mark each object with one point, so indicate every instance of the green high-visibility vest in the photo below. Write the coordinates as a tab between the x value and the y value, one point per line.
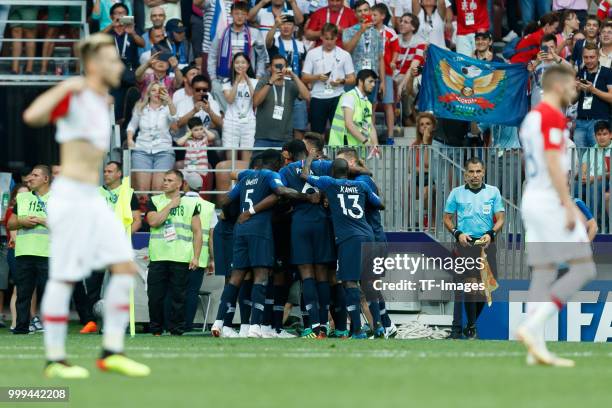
362	117
111	196
180	247
32	241
206	211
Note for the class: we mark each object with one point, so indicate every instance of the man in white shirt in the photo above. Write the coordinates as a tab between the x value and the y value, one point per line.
189	72
172	9
202	105
266	11
329	69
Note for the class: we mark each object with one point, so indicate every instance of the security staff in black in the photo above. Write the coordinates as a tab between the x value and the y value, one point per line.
480	215
32	244
174	249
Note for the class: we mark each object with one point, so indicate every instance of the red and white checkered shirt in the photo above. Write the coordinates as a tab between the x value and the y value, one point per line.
196	156
413	50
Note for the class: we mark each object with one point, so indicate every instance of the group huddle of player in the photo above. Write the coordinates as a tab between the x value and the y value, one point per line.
306	221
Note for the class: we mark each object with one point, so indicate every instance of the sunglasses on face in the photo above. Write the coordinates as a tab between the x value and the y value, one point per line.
200	89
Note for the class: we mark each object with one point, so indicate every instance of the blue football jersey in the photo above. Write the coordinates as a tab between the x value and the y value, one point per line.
347	202
372	213
254	186
290	176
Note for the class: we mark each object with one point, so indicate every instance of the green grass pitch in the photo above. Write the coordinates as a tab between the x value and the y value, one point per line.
196	371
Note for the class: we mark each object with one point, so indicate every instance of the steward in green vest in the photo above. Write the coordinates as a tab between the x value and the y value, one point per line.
31	245
352	124
208	219
110	191
174	249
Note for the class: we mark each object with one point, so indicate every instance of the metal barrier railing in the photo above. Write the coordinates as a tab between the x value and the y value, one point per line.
13	79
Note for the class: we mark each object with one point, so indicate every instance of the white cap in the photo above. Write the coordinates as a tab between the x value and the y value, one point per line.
194	181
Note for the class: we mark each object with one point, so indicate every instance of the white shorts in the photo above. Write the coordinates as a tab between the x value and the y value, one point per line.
238	135
84	232
546	237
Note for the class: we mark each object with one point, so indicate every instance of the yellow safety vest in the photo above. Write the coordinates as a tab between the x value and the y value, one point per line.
362	117
32	241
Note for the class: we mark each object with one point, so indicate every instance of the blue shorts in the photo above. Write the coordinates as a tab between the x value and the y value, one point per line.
252	251
161	161
369	252
311	242
349	258
223	245
300	115
388	96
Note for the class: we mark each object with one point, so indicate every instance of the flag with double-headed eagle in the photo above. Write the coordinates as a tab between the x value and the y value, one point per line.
458	87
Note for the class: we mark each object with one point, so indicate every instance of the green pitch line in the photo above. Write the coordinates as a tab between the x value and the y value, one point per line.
193	371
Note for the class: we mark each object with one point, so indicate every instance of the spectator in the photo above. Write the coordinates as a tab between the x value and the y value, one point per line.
595	96
534	10
431	15
160	63
265	13
596	167
590	34
58	13
528	47
472	17
152	117
366	46
213	23
171	215
178	44
155	36
579	7
202	105
390	53
197	140
20	31
546	58
605	52
353	123
239	118
294	52
29	219
158	20
484	47
565	39
425	126
208	221
236	38
189	72
102	11
328	68
411	52
172	9
274	118
335	13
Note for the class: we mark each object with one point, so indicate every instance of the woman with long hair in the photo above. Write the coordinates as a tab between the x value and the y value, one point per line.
432	15
425	126
152	117
239	120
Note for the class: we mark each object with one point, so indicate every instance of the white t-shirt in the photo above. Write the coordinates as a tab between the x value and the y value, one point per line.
83	116
173	10
178	96
431	31
186	104
310	6
265	18
400	7
242	108
337	61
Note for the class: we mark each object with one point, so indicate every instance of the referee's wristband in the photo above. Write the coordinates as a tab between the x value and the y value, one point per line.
251	211
491	233
457	233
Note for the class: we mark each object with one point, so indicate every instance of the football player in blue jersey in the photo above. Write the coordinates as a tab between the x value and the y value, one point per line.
347	200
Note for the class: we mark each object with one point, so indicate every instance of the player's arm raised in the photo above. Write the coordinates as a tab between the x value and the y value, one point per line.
41	111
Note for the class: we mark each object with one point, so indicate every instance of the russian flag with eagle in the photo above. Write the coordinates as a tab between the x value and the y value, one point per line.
458	87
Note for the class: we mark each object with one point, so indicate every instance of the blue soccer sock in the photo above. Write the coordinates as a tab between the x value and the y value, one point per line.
280	298
339	311
305	315
384	316
259	299
324	292
269	305
375	311
353	307
311	301
227	302
244	301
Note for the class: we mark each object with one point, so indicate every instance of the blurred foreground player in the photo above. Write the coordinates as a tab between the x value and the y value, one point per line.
84	233
554	228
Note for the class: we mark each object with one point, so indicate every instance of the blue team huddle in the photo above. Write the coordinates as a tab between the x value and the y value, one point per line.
309	222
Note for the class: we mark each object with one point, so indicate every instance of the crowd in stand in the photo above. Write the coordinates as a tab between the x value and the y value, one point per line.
260	73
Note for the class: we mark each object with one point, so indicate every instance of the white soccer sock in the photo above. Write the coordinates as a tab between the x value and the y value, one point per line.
55	308
539	332
536	321
116	311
